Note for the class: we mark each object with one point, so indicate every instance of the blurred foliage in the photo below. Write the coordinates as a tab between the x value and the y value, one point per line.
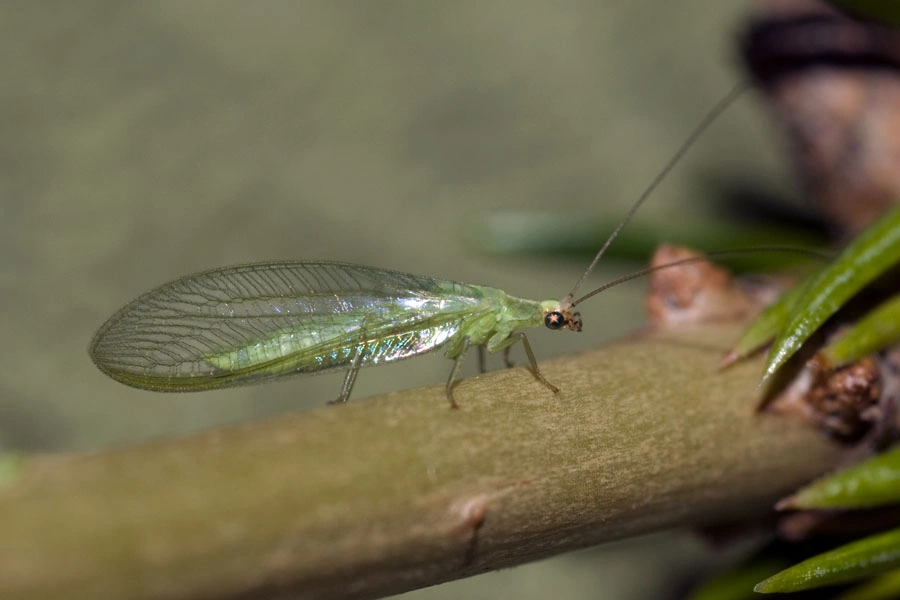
880	11
791	321
516	233
798	315
737	583
884	587
880	328
769	322
875	482
870	556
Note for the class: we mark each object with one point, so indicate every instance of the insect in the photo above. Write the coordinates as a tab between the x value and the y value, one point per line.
250	323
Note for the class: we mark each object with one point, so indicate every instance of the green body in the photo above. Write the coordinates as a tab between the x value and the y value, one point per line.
244	324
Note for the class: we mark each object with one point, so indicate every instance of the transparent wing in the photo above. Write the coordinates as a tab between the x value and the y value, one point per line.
238	325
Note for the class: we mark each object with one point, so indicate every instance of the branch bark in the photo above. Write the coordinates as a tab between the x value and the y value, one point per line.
398	492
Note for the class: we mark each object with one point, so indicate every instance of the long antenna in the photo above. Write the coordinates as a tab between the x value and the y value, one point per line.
711	116
810	252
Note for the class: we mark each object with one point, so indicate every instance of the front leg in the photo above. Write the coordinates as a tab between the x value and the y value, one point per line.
507	361
496	344
455	370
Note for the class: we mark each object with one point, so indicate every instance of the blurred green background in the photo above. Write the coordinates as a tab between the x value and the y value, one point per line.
144	141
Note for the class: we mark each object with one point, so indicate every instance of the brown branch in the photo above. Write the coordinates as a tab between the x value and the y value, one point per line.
399	492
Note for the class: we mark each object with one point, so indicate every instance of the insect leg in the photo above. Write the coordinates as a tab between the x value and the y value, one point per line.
355	366
350	379
520	336
506	359
453	372
482	362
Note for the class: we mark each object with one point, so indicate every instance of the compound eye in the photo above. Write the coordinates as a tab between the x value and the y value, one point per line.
555	320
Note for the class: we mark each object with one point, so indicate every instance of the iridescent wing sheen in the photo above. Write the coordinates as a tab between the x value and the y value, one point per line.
243	324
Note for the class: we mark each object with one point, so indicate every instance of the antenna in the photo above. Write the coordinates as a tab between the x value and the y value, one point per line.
704	124
809	252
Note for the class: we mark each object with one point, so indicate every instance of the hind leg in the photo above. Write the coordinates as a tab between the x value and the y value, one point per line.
355	366
350	379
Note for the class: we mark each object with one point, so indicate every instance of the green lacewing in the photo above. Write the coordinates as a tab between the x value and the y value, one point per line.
252	323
